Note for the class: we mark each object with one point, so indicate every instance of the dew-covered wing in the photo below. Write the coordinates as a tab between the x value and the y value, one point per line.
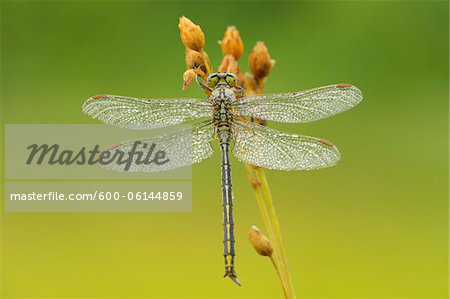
135	113
302	106
183	147
261	146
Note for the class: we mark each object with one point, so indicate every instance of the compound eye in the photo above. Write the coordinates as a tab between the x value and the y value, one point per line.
231	80
211	81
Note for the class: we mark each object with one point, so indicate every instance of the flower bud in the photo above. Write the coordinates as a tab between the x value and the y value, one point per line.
249	84
192	35
260	242
229	64
206	67
260	61
232	43
188	78
193	58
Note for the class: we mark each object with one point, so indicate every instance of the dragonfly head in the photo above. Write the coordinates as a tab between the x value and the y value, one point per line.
221	79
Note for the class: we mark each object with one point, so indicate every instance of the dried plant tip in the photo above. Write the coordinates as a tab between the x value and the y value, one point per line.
249	84
260	61
232	43
207	65
188	78
194	59
260	242
229	64
192	35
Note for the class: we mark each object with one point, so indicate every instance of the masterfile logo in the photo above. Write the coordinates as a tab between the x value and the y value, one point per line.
92	151
68	168
52	154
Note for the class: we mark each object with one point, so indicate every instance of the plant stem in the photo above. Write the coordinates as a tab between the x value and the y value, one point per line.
285	289
263	195
276	227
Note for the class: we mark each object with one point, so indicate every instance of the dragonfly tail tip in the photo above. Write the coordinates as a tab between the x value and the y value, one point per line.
233	277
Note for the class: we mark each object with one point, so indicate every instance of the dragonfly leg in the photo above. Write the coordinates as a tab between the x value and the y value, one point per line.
201	83
239	90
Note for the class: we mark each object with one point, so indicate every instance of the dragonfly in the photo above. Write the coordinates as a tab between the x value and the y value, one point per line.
227	118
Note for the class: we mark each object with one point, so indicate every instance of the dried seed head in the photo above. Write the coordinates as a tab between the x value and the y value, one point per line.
260	61
193	58
192	35
188	78
206	67
232	43
229	64
249	84
260	242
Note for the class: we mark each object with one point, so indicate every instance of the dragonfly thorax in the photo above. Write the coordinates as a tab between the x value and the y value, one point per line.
223	93
222	98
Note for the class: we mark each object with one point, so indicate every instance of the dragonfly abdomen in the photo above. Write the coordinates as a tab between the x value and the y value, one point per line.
227	205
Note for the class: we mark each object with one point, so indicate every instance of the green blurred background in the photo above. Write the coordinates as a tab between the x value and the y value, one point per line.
374	226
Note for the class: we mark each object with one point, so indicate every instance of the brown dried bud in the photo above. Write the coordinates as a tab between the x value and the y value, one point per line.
206	67
188	78
193	58
192	35
249	84
260	242
229	64
260	61
232	43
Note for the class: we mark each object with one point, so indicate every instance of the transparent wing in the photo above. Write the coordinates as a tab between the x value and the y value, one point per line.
300	107
185	146
134	113
261	146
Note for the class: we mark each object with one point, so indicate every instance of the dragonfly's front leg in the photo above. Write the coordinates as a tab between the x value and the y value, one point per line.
239	90
201	83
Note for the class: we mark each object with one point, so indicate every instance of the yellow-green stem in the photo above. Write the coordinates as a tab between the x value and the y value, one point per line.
277	268
256	184
276	226
264	200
